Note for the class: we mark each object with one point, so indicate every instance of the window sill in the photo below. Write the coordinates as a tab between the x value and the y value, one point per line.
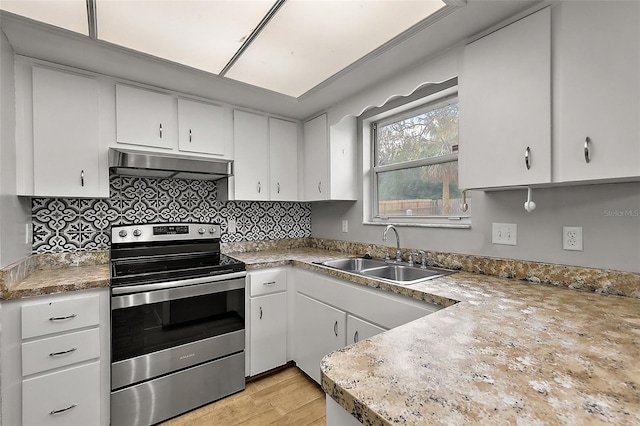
421	225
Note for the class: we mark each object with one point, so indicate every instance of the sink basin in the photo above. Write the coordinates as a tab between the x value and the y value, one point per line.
354	264
404	274
399	274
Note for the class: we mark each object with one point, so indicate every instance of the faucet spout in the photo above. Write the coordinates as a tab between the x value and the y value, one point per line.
384	238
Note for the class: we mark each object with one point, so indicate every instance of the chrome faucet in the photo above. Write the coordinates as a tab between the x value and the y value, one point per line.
384	238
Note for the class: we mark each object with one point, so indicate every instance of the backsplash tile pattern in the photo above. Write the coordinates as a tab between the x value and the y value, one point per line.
67	224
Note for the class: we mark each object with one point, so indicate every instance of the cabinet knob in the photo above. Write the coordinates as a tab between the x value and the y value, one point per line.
587	143
527	161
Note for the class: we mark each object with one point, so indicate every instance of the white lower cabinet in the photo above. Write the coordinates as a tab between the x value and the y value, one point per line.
68	397
331	313
267	342
318	330
359	329
268	332
54	355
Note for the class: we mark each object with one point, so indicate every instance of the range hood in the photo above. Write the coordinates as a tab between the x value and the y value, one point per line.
154	165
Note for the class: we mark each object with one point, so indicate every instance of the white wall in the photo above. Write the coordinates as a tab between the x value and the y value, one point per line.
610	241
14	213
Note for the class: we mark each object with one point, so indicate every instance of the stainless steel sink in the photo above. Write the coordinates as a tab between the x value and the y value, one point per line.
399	274
406	275
354	264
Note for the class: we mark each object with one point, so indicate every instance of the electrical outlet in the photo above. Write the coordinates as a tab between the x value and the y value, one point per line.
231	226
572	238
345	225
505	233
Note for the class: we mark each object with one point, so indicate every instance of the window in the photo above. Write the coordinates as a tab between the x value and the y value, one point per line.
415	165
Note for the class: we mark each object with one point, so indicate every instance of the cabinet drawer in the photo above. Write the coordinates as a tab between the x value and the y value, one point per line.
68	397
53	352
270	281
40	319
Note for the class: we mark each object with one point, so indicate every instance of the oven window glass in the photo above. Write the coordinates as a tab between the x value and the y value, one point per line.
144	329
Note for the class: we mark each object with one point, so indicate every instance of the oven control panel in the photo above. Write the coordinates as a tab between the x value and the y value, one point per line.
164	232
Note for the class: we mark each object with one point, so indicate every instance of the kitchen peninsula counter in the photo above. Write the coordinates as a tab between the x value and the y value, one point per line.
504	351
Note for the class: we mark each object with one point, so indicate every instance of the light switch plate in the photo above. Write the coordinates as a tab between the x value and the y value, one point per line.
345	225
505	233
231	226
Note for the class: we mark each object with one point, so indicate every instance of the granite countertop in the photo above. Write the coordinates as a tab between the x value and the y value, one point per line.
502	352
47	281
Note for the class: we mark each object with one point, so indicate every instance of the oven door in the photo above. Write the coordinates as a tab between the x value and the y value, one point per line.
160	331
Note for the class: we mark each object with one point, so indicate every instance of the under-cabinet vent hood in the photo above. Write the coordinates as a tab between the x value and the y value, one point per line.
150	164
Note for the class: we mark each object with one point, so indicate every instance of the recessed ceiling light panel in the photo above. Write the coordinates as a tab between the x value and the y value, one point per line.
308	41
68	14
200	34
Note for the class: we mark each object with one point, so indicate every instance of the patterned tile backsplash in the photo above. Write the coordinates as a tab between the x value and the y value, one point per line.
69	224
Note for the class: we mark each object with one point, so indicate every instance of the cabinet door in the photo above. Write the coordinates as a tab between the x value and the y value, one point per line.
596	67
68	397
505	106
145	118
318	330
268	332
200	127
359	329
316	185
66	145
283	163
251	145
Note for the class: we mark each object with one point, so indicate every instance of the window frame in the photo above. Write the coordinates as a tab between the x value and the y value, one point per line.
433	99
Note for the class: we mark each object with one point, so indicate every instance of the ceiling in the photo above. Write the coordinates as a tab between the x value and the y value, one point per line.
292	58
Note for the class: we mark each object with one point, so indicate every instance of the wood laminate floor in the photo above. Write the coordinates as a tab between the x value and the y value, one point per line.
287	397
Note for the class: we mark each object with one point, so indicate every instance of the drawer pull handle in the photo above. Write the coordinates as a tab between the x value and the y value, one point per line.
52	412
160	130
260	312
355	337
269	283
335	328
63	352
62	318
527	161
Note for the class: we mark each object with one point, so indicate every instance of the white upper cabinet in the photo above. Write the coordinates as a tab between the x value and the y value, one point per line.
200	127
251	164
67	157
283	160
596	74
145	118
505	106
316	167
330	159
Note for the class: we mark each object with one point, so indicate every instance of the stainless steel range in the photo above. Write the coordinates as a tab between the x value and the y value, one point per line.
177	321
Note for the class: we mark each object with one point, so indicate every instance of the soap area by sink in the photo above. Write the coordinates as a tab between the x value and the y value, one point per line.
393	271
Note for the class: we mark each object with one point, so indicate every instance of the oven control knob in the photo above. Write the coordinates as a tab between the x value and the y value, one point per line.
122	233
201	231
212	230
137	232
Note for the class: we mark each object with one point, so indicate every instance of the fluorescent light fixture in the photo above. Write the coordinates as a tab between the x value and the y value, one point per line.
68	14
202	34
308	41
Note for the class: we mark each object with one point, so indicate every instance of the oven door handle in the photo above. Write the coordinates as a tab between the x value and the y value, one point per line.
175	290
